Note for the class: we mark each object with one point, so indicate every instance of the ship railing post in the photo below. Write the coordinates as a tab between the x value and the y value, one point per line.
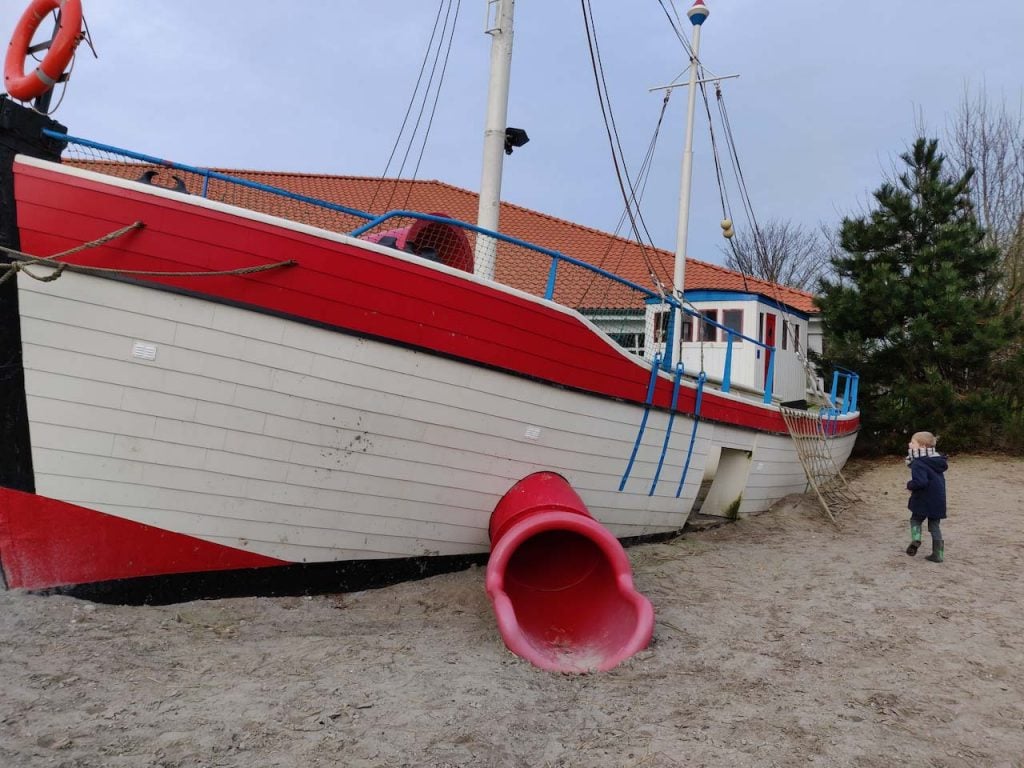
727	373
549	291
670	338
769	379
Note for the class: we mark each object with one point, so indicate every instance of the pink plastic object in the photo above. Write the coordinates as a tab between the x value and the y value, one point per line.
449	243
560	583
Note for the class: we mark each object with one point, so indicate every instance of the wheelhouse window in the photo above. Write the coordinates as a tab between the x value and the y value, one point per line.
661	326
796	337
661	323
733	320
631	342
709	332
785	334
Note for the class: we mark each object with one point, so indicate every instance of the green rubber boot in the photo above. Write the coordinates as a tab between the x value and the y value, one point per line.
915	538
938	551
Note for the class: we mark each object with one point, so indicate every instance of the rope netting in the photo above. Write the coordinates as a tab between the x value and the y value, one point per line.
810	436
627	312
249	191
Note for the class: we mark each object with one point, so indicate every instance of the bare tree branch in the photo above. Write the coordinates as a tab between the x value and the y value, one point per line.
990	139
781	252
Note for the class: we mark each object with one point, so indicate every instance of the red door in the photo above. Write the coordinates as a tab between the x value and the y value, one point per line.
769	339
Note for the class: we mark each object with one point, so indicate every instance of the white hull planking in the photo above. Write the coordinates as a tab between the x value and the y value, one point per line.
310	445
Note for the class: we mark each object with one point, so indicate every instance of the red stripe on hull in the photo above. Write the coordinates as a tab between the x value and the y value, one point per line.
343	286
49	543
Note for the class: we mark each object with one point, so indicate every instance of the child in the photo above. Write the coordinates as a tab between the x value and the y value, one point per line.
927	488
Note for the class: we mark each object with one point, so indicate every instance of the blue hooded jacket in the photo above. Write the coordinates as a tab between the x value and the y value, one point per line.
927	485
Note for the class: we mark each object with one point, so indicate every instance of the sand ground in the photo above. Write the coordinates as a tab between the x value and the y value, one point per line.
781	640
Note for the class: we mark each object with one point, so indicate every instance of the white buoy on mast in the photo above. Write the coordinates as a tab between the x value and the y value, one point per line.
697	14
499	27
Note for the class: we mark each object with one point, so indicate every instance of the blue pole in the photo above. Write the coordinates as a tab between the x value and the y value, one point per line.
701	378
549	291
666	360
643	421
769	380
668	428
727	373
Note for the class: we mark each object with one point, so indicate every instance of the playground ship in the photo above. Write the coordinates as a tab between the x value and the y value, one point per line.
194	388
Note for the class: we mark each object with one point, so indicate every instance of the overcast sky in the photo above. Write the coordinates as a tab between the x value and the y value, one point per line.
829	93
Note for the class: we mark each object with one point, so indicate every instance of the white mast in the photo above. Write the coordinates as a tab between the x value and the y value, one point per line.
697	14
499	27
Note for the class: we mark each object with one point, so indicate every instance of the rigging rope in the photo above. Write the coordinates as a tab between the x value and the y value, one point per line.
618	159
631	199
759	245
444	7
636	195
760	250
437	95
677	24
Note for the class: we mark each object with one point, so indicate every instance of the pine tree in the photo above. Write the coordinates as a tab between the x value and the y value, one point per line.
914	310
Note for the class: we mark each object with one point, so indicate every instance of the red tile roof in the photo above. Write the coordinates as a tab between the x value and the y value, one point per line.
618	255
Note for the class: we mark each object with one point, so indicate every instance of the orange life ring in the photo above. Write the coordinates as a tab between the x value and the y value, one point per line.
24	87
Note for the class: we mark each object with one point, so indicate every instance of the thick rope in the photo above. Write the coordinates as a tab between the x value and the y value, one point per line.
100	241
24	260
51	260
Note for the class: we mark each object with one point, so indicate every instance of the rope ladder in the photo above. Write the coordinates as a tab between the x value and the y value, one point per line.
812	448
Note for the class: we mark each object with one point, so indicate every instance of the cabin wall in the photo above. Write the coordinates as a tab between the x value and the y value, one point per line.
710	355
791	340
748	363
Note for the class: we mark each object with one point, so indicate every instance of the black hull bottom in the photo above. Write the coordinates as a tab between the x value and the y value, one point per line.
283	581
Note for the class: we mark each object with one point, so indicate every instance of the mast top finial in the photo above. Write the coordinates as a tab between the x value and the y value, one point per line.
698	13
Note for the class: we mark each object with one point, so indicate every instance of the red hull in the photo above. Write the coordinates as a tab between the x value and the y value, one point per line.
340	285
47	543
347	287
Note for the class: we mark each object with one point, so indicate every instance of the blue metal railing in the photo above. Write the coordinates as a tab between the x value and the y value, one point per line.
846	401
668	429
843	400
643	421
730	335
555	255
207	174
693	432
549	291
